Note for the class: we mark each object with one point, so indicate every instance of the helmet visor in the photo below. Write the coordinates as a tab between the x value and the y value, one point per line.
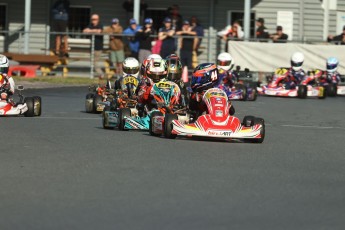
130	70
296	64
174	76
224	63
156	77
4	70
331	66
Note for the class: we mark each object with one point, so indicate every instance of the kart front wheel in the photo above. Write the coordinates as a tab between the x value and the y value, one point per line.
248	121
302	91
260	121
332	90
168	125
96	100
124	112
154	114
29	101
105	126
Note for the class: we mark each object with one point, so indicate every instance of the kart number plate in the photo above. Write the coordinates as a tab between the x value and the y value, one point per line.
130	80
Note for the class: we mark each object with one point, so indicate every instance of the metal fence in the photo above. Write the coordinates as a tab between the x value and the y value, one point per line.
81	46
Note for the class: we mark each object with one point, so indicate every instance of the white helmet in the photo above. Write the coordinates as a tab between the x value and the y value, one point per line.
297	60
154	56
130	66
225	61
4	64
156	69
332	64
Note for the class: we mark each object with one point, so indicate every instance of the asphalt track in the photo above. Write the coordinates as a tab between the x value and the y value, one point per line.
63	171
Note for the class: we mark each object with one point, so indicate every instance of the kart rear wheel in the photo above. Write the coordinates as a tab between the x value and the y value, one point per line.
31	107
124	112
37	106
254	91
332	90
260	121
302	91
168	125
96	100
89	96
153	114
248	121
243	89
105	126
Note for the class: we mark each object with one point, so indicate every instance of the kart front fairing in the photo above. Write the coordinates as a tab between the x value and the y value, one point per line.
8	109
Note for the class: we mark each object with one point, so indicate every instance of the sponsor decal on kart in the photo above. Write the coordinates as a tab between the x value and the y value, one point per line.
219	133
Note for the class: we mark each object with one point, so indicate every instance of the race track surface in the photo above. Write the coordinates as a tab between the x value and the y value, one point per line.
64	171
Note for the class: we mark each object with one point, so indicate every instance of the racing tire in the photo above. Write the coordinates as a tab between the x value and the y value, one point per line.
261	121
37	106
107	108
322	92
168	125
96	100
254	91
244	91
31	107
332	90
153	114
248	121
124	112
302	91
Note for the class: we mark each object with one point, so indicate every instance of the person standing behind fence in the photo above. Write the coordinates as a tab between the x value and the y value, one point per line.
60	12
95	27
261	31
133	41
187	44
279	36
117	53
145	39
166	34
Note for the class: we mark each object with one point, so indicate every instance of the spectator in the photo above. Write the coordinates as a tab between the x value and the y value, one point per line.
117	53
95	27
166	34
133	41
145	38
199	31
176	18
60	12
232	32
279	36
339	39
188	44
261	31
128	5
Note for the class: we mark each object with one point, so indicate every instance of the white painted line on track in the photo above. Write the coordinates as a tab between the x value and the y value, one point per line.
312	126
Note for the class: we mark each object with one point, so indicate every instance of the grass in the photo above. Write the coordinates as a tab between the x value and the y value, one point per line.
60	80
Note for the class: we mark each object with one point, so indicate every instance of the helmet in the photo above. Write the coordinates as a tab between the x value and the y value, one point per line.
204	76
4	64
146	61
225	61
156	69
332	64
130	66
297	60
174	67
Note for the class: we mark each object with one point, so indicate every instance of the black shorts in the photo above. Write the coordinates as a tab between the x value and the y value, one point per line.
60	26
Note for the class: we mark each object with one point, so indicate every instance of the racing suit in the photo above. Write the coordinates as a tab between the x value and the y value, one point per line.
293	79
332	77
7	87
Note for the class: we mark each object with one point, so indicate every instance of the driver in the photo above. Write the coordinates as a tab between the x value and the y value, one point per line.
227	77
7	84
332	75
130	66
204	77
296	73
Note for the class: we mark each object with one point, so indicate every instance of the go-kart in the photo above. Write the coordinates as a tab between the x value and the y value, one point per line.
123	98
244	89
217	123
333	88
163	92
27	106
276	87
97	95
167	96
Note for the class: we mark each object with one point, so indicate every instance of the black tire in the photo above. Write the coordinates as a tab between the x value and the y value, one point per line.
153	114
232	110
253	85
96	99
107	108
261	121
168	125
89	95
322	92
332	90
37	106
124	112
244	91
302	91
31	107
248	121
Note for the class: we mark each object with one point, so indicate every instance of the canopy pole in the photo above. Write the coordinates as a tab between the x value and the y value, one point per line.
27	25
